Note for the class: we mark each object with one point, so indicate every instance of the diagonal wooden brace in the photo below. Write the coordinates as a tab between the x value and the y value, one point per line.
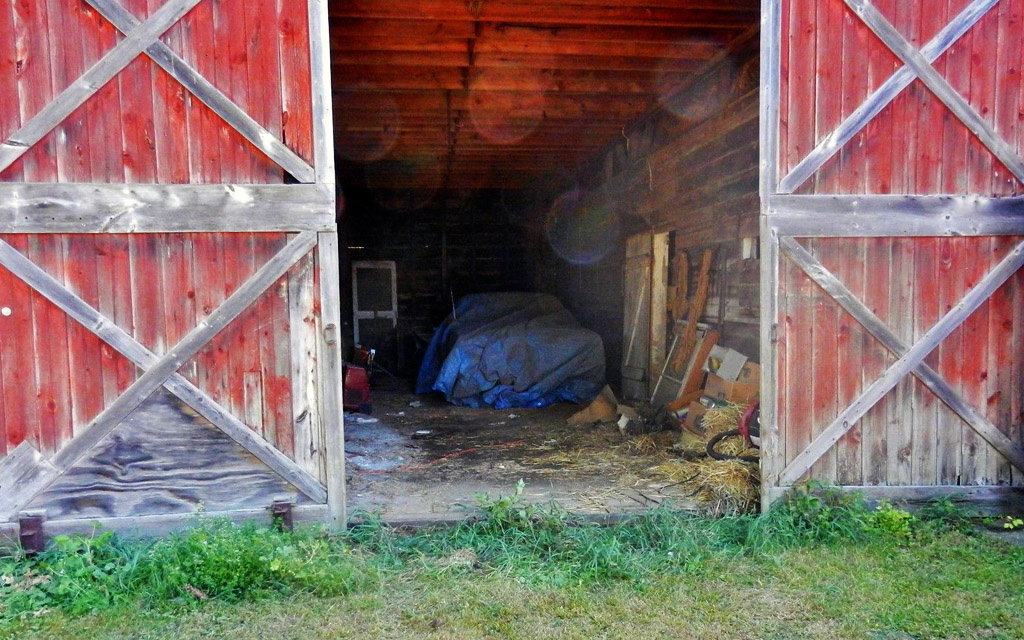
162	370
212	97
931	379
939	86
143	358
897	82
910	360
93	80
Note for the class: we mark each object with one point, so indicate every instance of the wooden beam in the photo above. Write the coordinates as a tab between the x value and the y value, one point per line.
1013	452
881	97
212	97
904	365
507	45
153	208
92	80
939	86
988	500
768	114
159	372
885	216
331	408
460	59
320	71
162	525
719	15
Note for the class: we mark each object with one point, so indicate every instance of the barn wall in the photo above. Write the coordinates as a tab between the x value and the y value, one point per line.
689	168
445	245
907	208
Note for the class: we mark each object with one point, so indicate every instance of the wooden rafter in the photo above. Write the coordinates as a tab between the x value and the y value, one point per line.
158	371
910	359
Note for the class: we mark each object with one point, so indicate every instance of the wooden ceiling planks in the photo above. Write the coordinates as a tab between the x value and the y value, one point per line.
496	93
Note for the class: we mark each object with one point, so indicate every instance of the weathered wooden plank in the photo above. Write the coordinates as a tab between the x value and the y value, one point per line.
1000	356
160	525
84	357
34	77
330	378
151	208
320	72
309	448
910	359
924	460
162	459
951	277
849	261
881	97
887	216
95	77
659	309
23	467
824	369
159	372
10	115
960	107
636	284
974	370
121	341
772	447
899	428
986	500
18	368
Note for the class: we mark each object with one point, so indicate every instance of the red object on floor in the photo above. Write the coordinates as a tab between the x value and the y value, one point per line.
356	389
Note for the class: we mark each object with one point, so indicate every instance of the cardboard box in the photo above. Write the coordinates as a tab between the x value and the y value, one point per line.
694	416
732	391
750	373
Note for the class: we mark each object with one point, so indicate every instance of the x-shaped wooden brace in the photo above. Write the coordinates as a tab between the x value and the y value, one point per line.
917	64
909	359
161	371
139	38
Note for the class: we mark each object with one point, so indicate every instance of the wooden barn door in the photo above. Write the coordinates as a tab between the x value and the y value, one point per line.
169	306
893	240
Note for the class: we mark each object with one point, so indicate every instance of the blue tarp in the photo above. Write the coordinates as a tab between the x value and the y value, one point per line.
508	350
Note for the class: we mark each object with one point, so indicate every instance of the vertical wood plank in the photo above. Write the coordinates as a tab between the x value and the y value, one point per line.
975	362
879	140
330	378
1017	370
926	313
950	276
878	257
1008	51
305	401
203	125
849	463
930	112
824	370
136	87
320	80
296	91
120	277
802	39
86	361
10	115
109	359
828	86
51	347
782	159
264	79
20	406
800	302
1000	362
955	143
981	96
900	427
659	308
233	64
773	353
169	120
35	85
64	31
105	110
234	339
855	64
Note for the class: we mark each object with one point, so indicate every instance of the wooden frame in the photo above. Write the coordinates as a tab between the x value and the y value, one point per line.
306	211
786	217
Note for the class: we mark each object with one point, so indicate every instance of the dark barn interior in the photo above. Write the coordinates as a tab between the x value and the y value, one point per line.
587	151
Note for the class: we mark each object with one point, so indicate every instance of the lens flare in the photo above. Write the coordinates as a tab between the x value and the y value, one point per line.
506	104
580	231
695	102
408	184
372	135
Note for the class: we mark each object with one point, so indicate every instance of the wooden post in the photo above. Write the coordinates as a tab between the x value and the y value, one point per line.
331	411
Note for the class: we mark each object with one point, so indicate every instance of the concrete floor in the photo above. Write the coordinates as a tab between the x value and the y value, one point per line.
418	458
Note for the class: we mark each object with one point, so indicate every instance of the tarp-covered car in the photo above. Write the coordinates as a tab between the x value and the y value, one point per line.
508	350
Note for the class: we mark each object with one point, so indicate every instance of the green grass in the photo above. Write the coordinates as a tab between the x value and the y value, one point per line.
821	566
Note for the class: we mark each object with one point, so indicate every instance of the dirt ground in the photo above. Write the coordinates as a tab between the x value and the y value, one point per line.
419	458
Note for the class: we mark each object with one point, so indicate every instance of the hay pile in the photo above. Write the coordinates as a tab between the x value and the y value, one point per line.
723	486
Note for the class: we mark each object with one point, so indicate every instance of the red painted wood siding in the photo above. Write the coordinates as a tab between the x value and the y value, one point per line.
56	375
143	126
910	437
831	62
